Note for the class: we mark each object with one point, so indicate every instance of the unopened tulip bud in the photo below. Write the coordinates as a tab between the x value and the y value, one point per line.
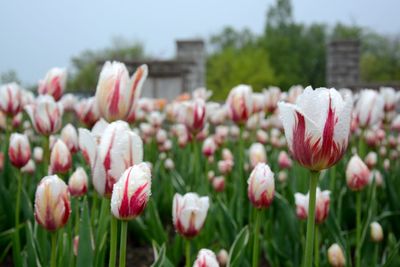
376	232
209	147
60	158
76	245
38	154
70	137
357	174
377	177
225	166
284	161
336	256
369	108
317	140
17	120
10	99
227	154
261	186
210	175
206	258
386	164
282	176
29	168
240	103
189	213
78	183
53	83
169	164
218	183
262	137
193	115
19	150
132	192
257	154
371	159
52	203
222	257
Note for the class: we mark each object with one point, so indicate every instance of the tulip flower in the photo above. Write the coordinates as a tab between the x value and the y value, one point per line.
317	127
257	154
169	164
371	159
87	111
284	161
336	256
193	115
19	150
29	167
322	205
70	137
78	183
68	101
389	98
116	93
189	213
369	108
240	103
10	99
54	83
45	114
131	193
206	258
52	203
218	183
60	158
376	232
271	98
202	93
395	126
209	147
118	149
261	187
38	154
294	92
222	257
357	174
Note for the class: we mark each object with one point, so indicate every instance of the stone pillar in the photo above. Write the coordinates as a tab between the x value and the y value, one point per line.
343	63
192	51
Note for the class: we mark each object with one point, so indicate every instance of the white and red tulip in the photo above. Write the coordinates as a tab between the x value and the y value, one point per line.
53	83
70	137
240	103
60	158
19	150
206	258
261	186
321	205
357	174
78	183
11	99
369	109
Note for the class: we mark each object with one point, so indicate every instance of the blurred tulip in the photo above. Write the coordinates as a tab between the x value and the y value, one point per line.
131	192
76	245
161	136
116	93
60	158
10	99
240	103
87	111
284	161
376	232
258	102
78	183
369	108
294	92
225	166
1	161
169	164
45	114
282	176
257	154
17	120
202	93
386	164
262	137
70	137
377	176
19	150
357	174
271	98
395	126
118	149
38	154
317	128
193	115
261	186
321	205
222	257
206	258
189	213
227	154
218	183
52	203
209	147
389	98
156	119
371	159
336	256
54	83
68	101
29	167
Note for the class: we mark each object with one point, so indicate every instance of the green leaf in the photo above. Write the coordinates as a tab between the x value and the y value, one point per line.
85	250
155	224
237	248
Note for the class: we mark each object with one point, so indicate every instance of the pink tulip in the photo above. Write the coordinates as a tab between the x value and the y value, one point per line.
284	160
240	103
357	174
10	99
45	114
209	147
19	150
132	192
54	83
52	203
189	213
60	158
261	186
317	128
117	93
218	183
78	183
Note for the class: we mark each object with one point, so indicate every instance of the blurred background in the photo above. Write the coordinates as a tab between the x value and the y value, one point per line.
215	44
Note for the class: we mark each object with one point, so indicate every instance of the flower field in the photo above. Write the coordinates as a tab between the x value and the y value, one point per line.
304	177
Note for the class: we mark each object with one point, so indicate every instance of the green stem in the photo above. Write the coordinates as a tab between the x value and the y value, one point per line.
122	244
94	209
361	146
46	155
113	241
358	229
311	219
333	179
316	253
53	249
256	242
187	251
76	216
376	251
17	247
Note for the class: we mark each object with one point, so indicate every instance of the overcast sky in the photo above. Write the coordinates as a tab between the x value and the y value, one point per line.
36	37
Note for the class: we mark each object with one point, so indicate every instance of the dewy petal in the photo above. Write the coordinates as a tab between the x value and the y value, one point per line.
342	127
87	145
